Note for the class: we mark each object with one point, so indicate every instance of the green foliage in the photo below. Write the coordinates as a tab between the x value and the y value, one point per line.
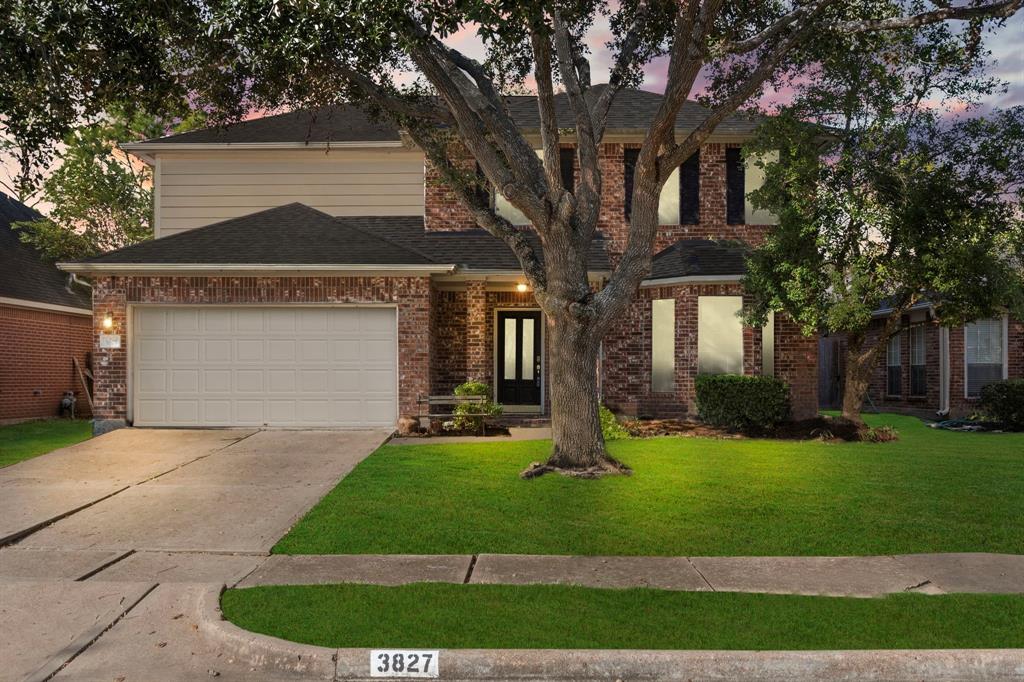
466	415
743	403
1003	402
611	429
101	198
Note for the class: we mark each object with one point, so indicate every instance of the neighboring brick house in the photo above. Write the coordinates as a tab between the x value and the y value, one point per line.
927	367
309	270
45	321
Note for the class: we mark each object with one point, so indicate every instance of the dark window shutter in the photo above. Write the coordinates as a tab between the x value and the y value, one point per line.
734	186
566	159
689	190
629	158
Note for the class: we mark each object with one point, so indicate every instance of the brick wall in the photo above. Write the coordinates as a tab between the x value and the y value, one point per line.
959	404
626	366
35	366
112	295
443	212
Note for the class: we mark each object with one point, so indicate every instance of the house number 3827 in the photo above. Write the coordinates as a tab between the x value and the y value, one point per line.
403	663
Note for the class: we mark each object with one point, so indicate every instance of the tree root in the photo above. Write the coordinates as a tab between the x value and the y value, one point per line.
607	466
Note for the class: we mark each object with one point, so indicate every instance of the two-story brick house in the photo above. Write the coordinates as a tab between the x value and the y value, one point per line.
310	270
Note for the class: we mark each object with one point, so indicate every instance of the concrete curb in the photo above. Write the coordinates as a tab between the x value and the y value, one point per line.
273	654
261	651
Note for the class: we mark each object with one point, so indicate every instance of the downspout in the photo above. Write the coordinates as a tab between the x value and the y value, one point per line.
943	371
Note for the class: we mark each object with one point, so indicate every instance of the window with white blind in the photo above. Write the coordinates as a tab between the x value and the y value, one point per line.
984	346
663	345
893	367
918	362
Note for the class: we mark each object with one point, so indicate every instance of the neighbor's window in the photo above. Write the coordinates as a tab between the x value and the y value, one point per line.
893	368
983	343
719	335
918	366
663	345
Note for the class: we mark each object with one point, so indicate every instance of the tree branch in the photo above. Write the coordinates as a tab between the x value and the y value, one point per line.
992	10
617	79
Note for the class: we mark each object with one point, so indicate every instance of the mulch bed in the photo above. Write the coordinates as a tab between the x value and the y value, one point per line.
489	430
819	428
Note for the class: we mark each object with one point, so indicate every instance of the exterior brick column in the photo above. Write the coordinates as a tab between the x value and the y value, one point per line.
477	361
110	366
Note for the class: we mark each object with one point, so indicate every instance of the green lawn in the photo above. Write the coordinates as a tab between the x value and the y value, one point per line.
25	440
932	491
549	616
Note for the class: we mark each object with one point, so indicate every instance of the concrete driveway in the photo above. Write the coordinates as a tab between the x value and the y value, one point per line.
126	521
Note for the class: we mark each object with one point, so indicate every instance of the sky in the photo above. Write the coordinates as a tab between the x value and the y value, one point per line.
1006	45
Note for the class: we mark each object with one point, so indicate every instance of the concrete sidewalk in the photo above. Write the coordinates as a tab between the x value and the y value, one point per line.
832	576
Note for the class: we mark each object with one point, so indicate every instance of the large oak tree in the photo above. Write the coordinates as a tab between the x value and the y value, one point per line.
234	55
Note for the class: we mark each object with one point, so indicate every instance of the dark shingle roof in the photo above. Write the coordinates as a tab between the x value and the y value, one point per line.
699	258
24	274
632	110
341	123
296	234
293	234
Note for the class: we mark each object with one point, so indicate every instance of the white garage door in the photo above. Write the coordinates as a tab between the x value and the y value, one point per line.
255	366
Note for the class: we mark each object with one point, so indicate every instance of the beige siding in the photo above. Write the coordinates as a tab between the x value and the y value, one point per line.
195	190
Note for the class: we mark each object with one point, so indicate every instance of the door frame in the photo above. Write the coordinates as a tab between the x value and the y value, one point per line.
521	409
131	368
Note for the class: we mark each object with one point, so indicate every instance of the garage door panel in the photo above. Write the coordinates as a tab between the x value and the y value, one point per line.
185	320
217	381
249	380
223	366
217	350
185	350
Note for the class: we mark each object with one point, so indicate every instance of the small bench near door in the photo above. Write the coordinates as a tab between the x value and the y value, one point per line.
429	403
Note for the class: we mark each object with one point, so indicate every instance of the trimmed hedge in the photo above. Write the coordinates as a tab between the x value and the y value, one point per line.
743	403
1003	402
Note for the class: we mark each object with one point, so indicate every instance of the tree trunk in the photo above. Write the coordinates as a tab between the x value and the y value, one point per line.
579	448
860	364
575	419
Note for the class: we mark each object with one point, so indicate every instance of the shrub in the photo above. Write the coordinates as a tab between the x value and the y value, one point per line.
462	414
1003	402
743	403
610	426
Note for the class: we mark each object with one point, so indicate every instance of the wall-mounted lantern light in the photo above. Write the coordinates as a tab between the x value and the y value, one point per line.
521	287
108	321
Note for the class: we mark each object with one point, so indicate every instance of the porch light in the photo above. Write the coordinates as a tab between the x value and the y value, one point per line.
521	287
108	321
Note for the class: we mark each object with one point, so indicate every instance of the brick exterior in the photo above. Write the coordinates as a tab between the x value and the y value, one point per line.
36	365
446	331
626	368
113	295
959	405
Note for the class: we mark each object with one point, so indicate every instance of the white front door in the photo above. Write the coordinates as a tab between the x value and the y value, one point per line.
264	366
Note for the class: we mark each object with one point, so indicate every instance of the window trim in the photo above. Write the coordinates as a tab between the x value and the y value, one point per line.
896	340
1005	355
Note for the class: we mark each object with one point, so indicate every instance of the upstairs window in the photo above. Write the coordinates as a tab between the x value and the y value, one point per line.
918	362
984	356
735	187
893	367
567	160
679	201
